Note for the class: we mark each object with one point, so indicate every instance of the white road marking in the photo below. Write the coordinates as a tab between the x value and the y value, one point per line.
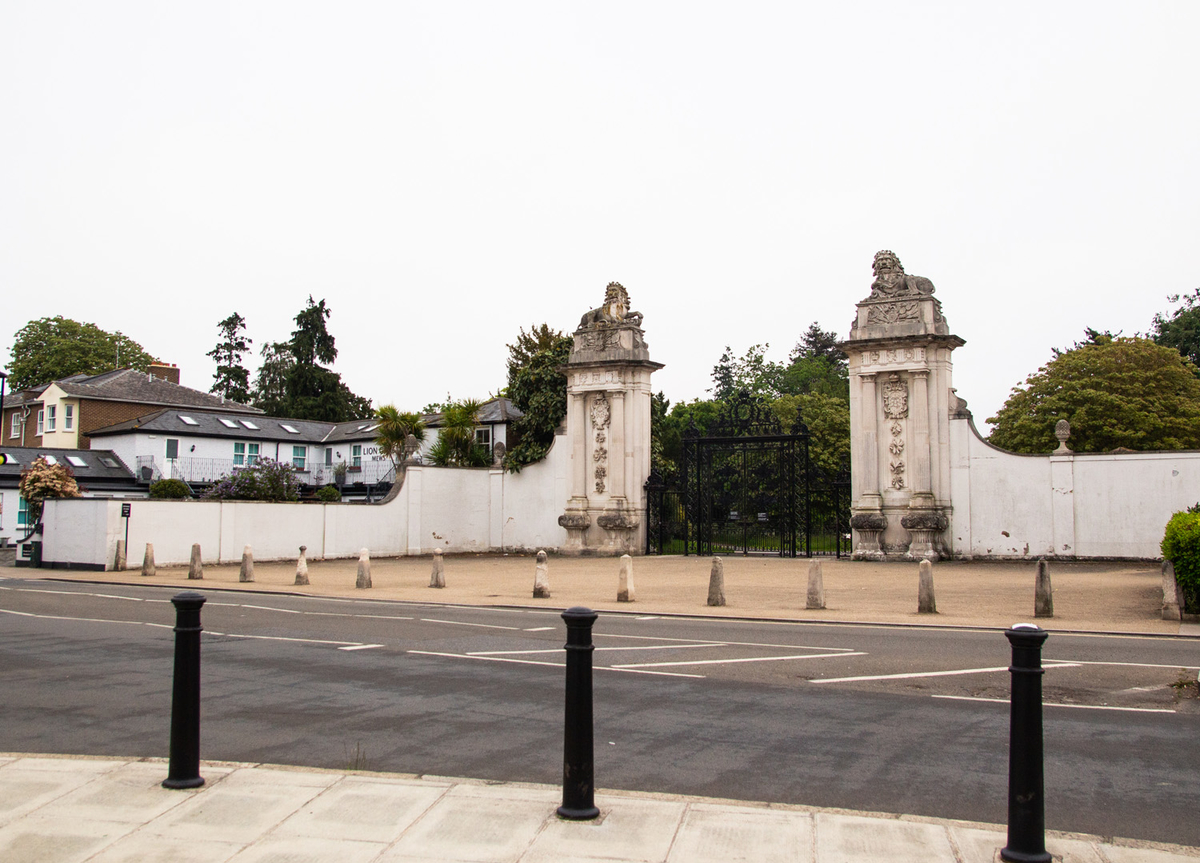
464	623
541	628
1057	704
1128	664
360	646
729	643
549	664
743	659
281	638
930	673
598	649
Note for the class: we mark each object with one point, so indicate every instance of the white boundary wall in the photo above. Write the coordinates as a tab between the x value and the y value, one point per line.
454	509
1093	505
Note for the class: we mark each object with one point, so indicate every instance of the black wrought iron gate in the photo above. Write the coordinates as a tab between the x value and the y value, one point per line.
748	488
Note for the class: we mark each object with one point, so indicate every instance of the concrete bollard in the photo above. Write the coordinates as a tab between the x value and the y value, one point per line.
579	785
1043	595
246	573
183	771
195	567
716	583
926	604
1026	785
1172	603
437	577
364	570
119	558
816	587
541	577
148	567
625	592
302	567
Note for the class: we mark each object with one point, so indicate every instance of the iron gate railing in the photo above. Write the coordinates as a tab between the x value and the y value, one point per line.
748	489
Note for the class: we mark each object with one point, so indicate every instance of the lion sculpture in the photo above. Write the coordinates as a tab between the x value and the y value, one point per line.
614	311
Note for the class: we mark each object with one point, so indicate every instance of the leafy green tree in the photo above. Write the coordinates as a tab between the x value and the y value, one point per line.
293	382
456	446
817	365
1182	329
49	349
394	428
827	419
1123	392
752	372
818	343
270	385
231	378
538	389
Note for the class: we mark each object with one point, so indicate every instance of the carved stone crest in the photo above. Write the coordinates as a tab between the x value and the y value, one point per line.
891	313
600	412
895	398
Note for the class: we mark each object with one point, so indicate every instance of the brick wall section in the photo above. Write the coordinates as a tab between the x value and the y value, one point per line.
166	371
32	439
95	414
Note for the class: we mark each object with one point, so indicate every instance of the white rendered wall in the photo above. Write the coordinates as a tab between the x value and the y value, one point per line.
454	509
1094	505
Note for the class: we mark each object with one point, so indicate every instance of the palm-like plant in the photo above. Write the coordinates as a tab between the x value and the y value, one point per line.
394	428
456	444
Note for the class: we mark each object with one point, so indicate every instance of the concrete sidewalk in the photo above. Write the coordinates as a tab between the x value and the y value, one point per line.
72	810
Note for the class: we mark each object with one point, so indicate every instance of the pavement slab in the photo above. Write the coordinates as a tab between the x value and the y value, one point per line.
734	834
633	830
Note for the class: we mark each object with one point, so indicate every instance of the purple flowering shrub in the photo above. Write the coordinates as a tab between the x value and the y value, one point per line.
263	480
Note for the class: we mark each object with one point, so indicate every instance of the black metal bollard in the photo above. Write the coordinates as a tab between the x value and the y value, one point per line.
184	769
1026	790
578	763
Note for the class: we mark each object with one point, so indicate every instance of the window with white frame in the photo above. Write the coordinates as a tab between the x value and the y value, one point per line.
41	423
68	417
239	454
328	456
22	512
483	437
356	455
16	425
51	418
299	454
251	453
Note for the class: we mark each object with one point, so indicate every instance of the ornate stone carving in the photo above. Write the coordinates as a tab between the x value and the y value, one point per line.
869	521
897	474
575	520
600	454
600	413
925	519
614	311
1062	431
897	428
598	340
895	398
892	283
896	446
892	313
618	521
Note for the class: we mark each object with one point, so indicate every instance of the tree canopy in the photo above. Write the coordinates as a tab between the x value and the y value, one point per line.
394	428
1181	330
292	382
1115	392
231	378
49	349
538	389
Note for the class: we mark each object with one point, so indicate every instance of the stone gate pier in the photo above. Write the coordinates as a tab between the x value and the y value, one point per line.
608	425
900	408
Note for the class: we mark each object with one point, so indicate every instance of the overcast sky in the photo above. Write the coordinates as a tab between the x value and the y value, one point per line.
445	173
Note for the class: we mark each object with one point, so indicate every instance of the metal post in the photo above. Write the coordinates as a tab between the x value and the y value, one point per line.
1026	791
184	768
578	764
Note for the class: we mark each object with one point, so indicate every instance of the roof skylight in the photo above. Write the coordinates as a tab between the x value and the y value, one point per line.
229	424
289	429
248	424
107	462
188	421
77	461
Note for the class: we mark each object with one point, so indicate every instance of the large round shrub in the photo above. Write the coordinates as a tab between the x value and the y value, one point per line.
170	489
1181	546
328	494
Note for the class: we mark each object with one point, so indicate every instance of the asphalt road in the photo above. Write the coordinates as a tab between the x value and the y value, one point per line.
893	719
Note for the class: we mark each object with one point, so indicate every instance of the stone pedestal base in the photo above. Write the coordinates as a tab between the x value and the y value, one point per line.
576	523
620	525
870	527
925	527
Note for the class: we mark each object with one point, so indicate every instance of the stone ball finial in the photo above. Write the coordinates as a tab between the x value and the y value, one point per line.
1062	431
